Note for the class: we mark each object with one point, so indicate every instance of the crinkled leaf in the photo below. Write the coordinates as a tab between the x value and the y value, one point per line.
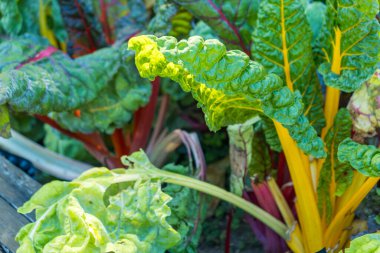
228	86
16	51
364	158
74	217
64	145
369	243
350	42
232	20
342	171
282	43
114	105
365	108
57	83
188	212
270	134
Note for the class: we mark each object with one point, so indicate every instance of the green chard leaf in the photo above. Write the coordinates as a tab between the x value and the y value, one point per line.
170	20
104	87
19	50
369	243
64	145
364	158
27	125
203	30
131	219
270	134
57	83
11	19
83	27
282	44
160	24
114	105
350	43
316	16
128	22
188	209
260	166
20	17
5	125
232	20
228	86
341	170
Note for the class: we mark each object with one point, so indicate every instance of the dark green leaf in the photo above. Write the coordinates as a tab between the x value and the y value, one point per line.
341	170
364	158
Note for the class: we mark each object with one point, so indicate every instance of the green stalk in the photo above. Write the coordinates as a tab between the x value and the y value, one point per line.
212	190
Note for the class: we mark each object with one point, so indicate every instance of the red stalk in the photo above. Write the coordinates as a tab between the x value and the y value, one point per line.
93	143
104	21
119	143
227	245
267	202
281	169
143	119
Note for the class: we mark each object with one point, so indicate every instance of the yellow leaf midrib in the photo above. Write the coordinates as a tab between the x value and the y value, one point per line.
285	50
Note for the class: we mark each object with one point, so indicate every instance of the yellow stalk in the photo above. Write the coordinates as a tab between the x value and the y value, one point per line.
295	243
307	205
339	221
44	28
332	94
313	171
357	181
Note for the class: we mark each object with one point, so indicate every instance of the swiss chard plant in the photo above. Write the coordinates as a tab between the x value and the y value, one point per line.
276	73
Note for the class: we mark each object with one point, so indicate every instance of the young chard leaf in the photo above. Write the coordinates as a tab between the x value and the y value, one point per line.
350	42
100	220
283	46
341	171
228	86
369	243
364	158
